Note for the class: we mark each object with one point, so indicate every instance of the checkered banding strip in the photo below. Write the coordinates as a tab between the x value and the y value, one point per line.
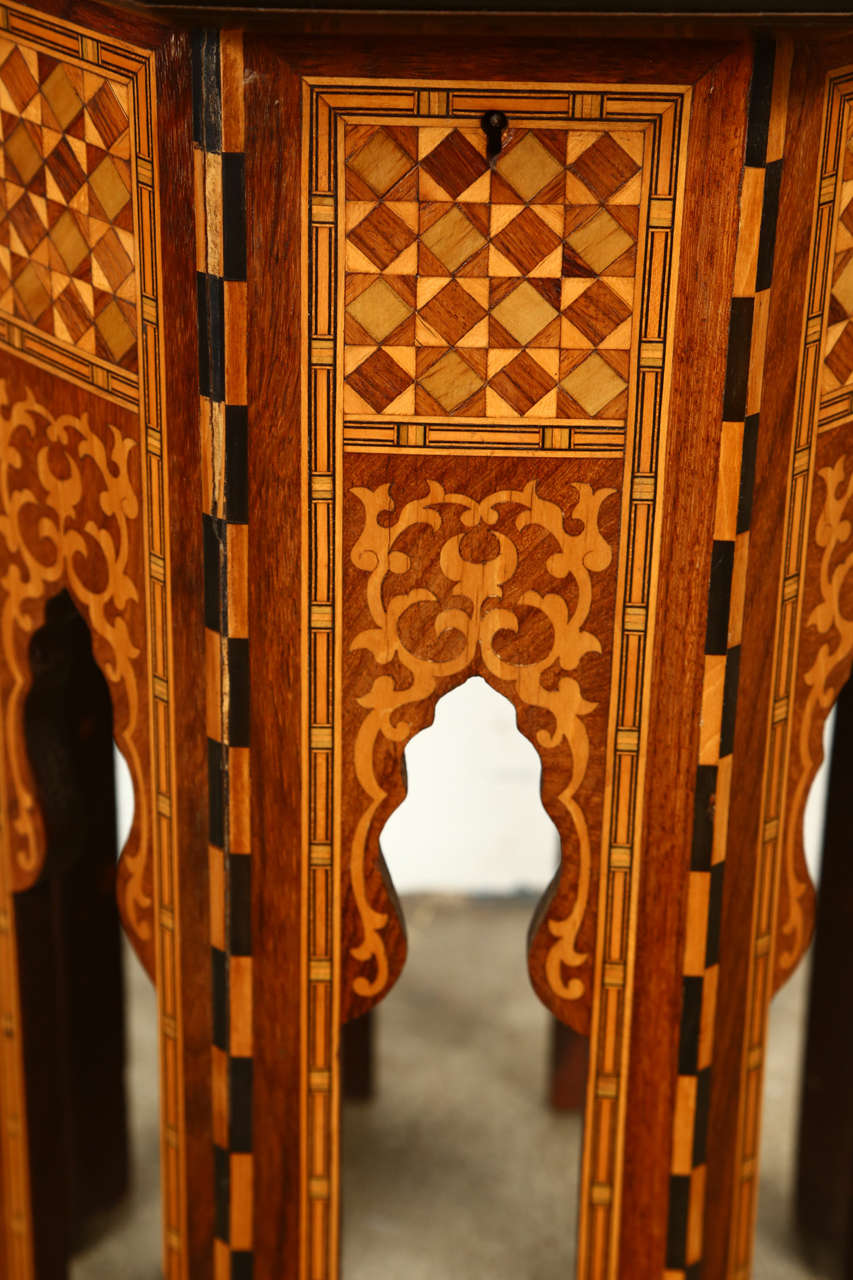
221	279
823	404
741	413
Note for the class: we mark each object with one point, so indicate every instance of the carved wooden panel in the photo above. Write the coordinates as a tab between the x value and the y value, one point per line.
84	356
825	401
70	483
489	354
509	574
84	498
71	517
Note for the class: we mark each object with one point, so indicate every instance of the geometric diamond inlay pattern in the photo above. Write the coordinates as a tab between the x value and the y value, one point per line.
838	344
67	254
490	291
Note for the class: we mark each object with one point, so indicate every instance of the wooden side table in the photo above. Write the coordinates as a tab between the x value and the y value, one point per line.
346	356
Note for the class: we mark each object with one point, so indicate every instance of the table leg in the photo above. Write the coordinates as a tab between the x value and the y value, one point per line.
358	1057
569	1065
69	946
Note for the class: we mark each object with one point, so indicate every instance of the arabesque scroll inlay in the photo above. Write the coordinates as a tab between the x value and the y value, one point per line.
46	545
824	678
481	606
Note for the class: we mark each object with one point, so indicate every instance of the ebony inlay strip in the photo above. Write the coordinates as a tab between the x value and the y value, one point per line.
703	817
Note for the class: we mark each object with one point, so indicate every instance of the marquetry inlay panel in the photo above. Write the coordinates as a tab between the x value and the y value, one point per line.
77	228
833	251
80	300
508	572
66	229
491	292
503	332
79	292
838	345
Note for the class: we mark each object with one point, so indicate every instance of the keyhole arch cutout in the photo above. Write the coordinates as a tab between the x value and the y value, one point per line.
434	1176
68	726
513	583
472	820
85	774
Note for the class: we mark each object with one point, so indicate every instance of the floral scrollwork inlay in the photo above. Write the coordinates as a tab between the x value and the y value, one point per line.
482	601
823	679
47	465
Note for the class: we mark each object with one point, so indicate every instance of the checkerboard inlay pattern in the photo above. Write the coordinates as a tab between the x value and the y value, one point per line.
221	280
741	411
480	292
67	254
838	347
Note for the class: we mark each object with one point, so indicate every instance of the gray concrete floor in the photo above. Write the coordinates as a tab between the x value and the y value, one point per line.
125	1245
457	1169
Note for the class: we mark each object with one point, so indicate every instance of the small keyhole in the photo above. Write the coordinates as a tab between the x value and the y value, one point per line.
493	124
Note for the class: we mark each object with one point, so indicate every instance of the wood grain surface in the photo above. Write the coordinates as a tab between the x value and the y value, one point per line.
86	392
689	509
317	408
315	1124
774	856
444	579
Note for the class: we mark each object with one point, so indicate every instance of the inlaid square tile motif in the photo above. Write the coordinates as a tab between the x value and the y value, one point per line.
838	347
490	291
66	214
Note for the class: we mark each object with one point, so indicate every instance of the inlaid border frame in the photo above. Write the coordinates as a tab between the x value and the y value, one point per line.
135	66
600	1197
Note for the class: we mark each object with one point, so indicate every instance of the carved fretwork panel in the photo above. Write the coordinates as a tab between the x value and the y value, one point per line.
825	657
508	573
813	646
79	299
70	519
70	484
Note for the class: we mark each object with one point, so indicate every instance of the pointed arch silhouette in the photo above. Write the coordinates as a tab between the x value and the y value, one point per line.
70	522
472	820
499	584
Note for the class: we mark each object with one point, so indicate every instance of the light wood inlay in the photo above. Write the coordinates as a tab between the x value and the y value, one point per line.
486	313
67	245
498	293
80	298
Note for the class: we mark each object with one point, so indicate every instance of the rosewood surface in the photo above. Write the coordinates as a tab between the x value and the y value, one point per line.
315	408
